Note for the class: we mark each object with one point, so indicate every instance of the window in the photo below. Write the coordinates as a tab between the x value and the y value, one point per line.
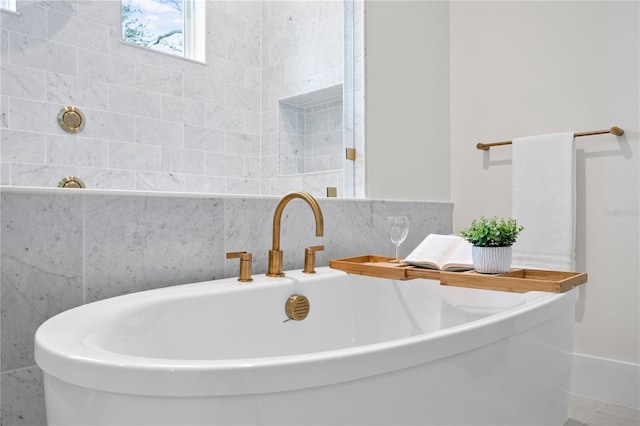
171	26
8	4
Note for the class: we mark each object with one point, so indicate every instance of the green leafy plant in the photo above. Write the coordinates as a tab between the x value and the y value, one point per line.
492	232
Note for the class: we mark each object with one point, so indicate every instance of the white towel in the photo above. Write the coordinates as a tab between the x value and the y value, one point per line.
543	201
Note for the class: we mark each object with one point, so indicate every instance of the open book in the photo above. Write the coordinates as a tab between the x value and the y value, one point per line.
444	252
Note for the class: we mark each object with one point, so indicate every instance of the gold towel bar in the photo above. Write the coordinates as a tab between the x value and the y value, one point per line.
615	130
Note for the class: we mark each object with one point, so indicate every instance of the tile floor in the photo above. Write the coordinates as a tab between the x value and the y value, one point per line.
591	412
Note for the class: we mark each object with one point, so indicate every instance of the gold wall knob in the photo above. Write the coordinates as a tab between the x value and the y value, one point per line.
245	265
71	119
310	259
71	182
297	307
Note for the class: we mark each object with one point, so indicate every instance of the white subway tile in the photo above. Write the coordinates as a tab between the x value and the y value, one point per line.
159	132
183	110
253	77
243	186
224	165
186	66
42	54
252	122
317	122
108	125
67	90
69	7
273	75
22	147
204	184
40	175
130	101
158	181
78	32
182	161
107	178
243	144
225	23
4	112
31	19
133	156
107	68
4	46
34	116
331	9
106	12
221	117
244	53
216	43
246	9
22	82
252	169
225	70
269	167
204	89
157	79
204	139
72	150
243	98
5	173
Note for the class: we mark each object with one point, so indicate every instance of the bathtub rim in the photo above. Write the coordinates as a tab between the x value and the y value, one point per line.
113	372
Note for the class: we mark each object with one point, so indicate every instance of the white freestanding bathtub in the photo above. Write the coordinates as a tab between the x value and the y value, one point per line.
371	351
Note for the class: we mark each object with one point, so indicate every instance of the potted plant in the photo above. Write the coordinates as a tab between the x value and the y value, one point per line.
492	240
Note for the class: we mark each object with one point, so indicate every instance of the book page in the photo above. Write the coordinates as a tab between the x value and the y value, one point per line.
434	250
460	259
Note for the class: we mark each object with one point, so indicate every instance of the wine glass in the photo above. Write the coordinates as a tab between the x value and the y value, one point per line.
398	230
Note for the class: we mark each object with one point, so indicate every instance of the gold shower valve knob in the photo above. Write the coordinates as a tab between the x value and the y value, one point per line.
71	182
71	119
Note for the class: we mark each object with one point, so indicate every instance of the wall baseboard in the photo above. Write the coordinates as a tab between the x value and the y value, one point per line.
606	380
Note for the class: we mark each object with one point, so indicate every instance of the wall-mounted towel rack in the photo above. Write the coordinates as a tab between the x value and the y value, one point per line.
615	130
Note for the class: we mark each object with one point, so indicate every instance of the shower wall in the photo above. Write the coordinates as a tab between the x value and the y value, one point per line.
156	122
303	52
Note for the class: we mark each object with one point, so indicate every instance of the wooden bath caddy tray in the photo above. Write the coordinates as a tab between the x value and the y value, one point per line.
516	280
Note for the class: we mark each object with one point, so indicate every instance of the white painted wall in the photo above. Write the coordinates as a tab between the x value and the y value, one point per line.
407	100
521	68
516	68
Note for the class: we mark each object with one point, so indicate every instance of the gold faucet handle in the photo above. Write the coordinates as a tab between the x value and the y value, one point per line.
245	264
310	259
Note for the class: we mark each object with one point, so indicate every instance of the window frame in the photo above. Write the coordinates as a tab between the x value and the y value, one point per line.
193	31
8	5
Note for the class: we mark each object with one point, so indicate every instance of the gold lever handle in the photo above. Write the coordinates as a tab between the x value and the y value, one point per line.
310	259
245	264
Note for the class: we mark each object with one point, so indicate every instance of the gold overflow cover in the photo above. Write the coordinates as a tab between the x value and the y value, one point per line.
297	307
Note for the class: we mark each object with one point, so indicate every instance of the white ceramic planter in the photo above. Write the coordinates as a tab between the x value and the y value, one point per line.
491	260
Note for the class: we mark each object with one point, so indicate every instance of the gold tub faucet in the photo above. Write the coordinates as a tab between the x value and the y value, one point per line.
275	254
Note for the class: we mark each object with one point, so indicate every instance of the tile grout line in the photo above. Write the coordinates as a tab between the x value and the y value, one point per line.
594	412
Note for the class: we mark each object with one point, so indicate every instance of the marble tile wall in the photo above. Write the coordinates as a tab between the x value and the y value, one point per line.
157	122
303	51
291	133
311	138
62	248
323	137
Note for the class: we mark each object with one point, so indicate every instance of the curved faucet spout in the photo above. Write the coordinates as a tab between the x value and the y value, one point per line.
275	254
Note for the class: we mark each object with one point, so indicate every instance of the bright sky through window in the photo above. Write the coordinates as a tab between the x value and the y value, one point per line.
8	4
170	26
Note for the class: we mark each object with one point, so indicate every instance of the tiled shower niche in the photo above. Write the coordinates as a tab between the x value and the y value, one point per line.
310	132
